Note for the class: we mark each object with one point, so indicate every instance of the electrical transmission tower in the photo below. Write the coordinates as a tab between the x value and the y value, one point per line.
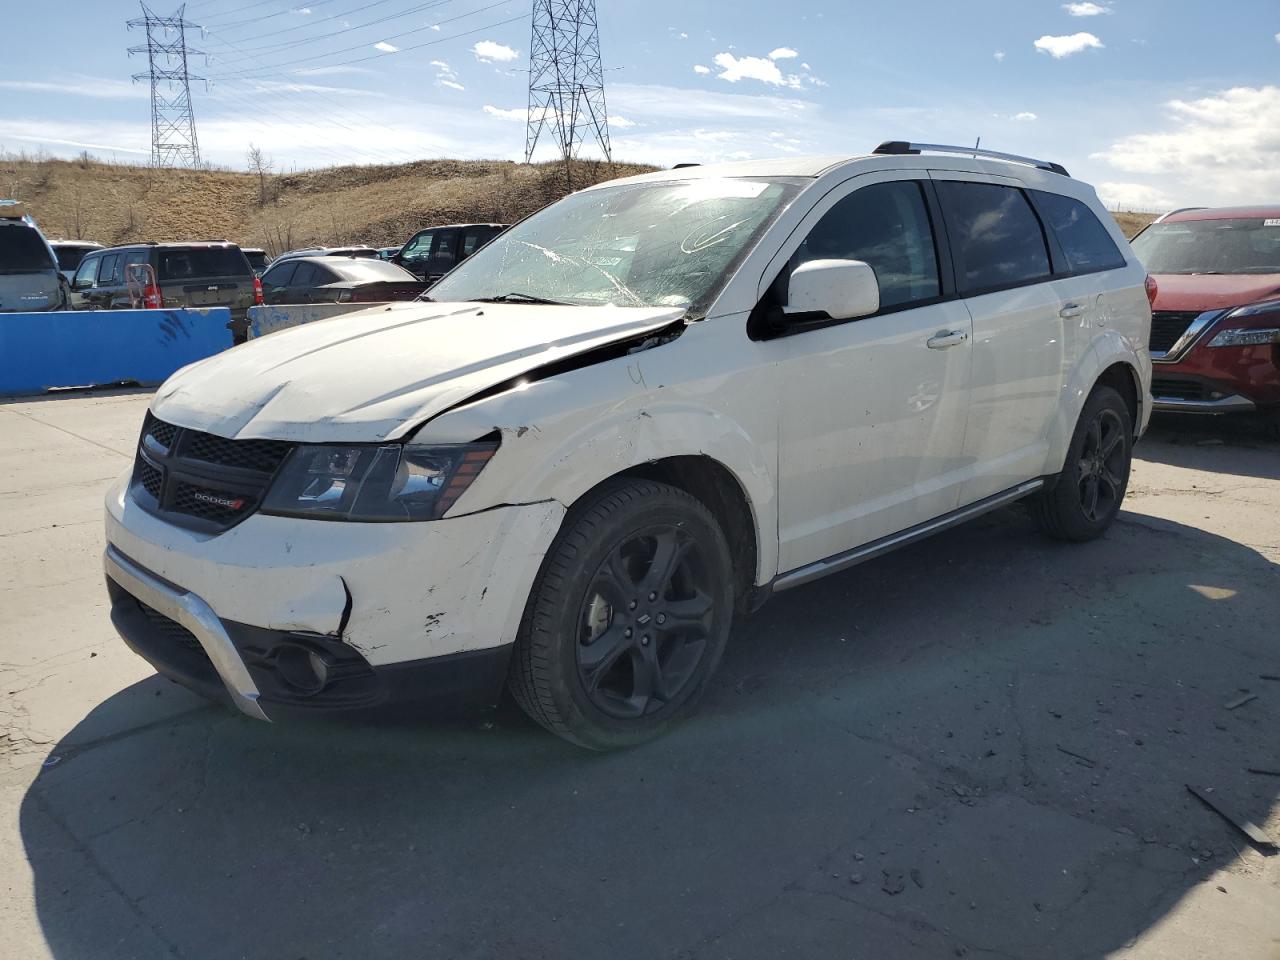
566	80
173	124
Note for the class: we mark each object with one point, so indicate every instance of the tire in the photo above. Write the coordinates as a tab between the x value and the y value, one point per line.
1081	502
611	651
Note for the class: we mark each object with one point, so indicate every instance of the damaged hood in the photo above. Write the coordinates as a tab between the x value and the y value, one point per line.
376	374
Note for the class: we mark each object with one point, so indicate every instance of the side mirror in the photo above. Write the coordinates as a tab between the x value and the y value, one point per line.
842	289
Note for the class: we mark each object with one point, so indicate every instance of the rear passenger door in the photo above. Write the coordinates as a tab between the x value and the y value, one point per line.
1004	273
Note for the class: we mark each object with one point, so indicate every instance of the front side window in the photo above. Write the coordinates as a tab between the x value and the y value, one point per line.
886	225
671	243
1245	245
87	272
1084	240
418	247
996	237
279	276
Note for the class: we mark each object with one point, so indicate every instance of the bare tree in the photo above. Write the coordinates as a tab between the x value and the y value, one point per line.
262	165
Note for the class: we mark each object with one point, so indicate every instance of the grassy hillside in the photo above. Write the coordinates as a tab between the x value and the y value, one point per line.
379	205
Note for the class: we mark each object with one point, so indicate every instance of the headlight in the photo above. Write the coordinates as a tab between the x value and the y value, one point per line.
375	484
1246	337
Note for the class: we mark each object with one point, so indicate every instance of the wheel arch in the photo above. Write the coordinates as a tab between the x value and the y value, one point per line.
718	489
1111	361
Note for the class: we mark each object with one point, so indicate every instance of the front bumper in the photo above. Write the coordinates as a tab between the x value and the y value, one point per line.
1204	379
396	610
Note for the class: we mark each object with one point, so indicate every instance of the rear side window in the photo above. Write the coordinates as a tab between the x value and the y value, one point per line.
22	250
1084	240
200	262
442	255
887	226
996	237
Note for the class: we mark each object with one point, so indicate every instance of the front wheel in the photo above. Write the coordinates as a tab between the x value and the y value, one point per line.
628	617
1081	502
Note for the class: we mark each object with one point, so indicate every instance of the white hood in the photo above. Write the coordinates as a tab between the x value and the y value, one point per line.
376	374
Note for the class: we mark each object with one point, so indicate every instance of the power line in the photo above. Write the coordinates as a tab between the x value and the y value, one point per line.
346	29
566	80
384	55
266	16
173	123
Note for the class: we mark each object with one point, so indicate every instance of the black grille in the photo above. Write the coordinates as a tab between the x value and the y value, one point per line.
1168	326
206	504
151	479
262	456
202	481
170	629
159	431
1179	389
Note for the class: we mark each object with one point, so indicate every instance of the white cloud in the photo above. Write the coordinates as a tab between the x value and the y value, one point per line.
386	47
305	11
675	103
1134	196
783	53
1026	116
1059	47
99	88
763	69
999	56
621	123
1278	38
1217	149
1085	9
446	76
699	68
329	71
435	27
487	51
519	114
684	36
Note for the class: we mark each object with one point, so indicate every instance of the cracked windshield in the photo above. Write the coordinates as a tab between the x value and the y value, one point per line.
669	244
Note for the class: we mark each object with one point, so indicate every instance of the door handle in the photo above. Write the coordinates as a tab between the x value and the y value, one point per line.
1072	310
947	338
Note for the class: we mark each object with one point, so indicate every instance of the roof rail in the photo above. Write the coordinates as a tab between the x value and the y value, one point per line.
900	147
1164	216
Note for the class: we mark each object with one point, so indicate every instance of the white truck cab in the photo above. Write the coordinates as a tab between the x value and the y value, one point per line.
624	420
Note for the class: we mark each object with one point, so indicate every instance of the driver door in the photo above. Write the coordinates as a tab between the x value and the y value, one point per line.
873	410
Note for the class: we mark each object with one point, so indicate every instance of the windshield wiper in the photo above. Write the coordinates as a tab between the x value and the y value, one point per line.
521	298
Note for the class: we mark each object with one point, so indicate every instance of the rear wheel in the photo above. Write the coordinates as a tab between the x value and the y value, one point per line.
1081	502
628	617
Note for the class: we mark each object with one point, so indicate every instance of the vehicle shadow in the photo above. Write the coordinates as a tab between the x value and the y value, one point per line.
981	743
1244	446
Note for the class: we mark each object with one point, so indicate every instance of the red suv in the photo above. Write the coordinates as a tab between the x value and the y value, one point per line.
1215	323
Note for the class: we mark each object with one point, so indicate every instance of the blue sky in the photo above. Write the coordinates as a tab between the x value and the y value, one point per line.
1156	102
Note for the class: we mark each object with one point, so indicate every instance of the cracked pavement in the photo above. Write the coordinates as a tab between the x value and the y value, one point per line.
978	746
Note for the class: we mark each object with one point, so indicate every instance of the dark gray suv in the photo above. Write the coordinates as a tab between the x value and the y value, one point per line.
212	274
29	277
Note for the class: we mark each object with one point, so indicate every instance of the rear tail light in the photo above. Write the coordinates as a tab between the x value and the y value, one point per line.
1153	289
151	297
257	291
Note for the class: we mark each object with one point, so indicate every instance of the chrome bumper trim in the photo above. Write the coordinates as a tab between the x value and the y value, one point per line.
197	616
1232	404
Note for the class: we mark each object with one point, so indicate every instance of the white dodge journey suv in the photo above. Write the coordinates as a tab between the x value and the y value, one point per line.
622	422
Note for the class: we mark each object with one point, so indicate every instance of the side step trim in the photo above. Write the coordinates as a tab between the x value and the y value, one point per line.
876	548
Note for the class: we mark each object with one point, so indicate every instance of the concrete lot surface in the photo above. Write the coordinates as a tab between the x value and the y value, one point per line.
979	746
